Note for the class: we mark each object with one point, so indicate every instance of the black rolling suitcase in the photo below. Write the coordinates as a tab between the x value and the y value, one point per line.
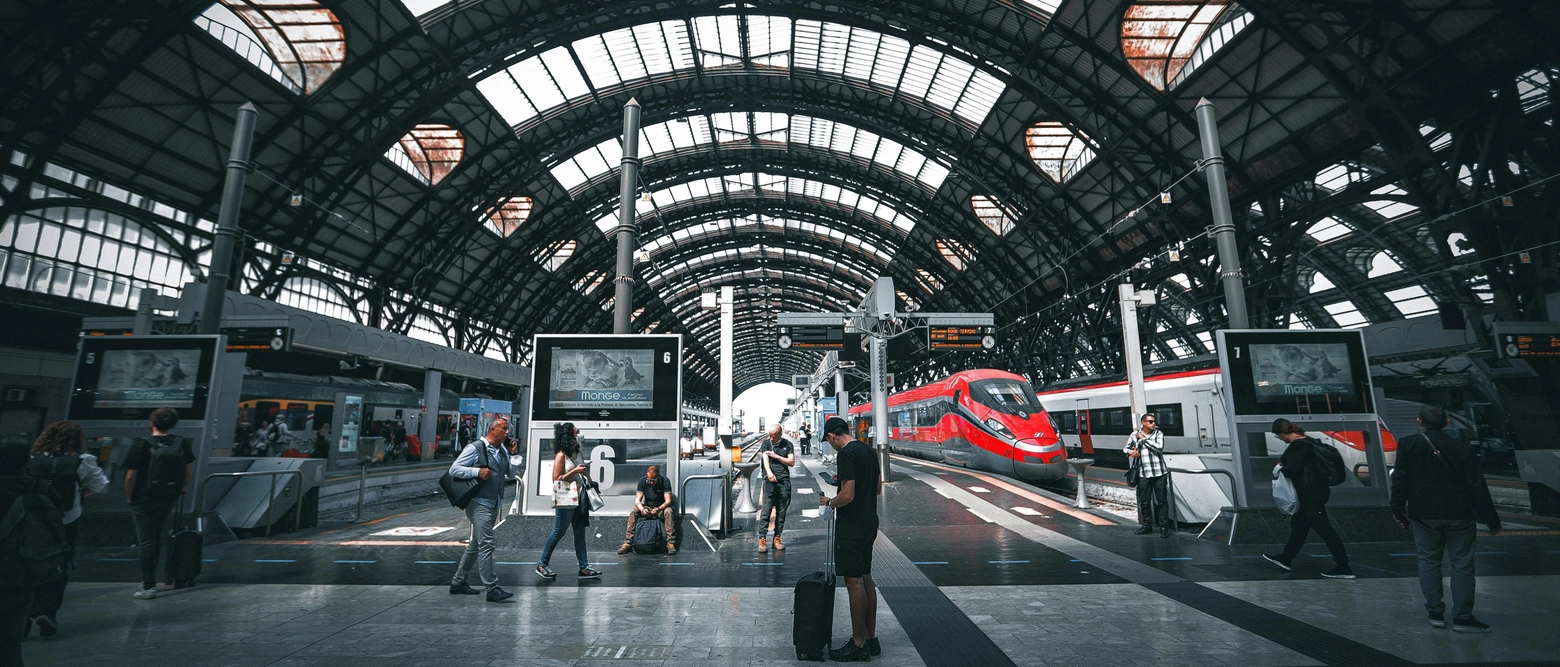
184	556
813	609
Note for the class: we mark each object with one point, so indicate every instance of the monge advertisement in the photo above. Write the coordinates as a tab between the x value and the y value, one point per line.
148	379
1301	370
602	379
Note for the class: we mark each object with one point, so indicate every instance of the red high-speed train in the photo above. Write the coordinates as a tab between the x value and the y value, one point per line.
983	419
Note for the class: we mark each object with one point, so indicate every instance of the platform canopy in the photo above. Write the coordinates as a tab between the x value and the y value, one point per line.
449	170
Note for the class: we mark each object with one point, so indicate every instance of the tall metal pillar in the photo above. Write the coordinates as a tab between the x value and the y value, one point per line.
428	428
727	327
1223	223
623	305
880	403
227	233
1132	350
842	399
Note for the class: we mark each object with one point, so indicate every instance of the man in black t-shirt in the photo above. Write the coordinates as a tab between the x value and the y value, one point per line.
652	500
151	505
776	455
856	528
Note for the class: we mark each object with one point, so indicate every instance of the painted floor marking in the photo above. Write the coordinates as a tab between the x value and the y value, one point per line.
1007	562
433	562
275	560
399	543
1174	558
413	531
357	562
980	489
1029	511
1031	496
928	562
119	560
982	517
804	490
765	564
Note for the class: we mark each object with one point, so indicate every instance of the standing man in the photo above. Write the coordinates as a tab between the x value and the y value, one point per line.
855	531
485	459
652	502
157	473
775	456
806	439
1147	447
1438	480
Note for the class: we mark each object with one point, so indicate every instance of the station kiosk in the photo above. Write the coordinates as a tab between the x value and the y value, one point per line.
1320	380
624	393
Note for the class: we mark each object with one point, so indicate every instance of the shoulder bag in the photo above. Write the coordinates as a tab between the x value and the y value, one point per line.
1134	472
461	491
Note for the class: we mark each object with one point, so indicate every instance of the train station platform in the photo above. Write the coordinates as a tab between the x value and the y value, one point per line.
973	569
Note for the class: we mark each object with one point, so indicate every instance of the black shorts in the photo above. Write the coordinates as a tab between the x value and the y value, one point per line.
853	554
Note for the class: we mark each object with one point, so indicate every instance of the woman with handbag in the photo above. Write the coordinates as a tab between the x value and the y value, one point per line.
570	483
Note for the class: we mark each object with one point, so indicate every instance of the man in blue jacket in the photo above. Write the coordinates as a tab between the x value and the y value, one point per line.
1438	488
487	460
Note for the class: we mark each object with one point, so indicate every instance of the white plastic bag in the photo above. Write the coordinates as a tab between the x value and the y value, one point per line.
1284	494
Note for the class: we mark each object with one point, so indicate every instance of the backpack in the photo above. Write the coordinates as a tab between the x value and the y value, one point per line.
165	473
33	548
61	474
1327	464
649	536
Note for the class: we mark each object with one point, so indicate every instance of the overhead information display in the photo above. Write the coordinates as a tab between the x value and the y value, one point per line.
591	379
1530	345
813	338
1301	370
960	338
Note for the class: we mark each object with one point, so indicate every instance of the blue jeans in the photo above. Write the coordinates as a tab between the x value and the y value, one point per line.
1455	538
563	519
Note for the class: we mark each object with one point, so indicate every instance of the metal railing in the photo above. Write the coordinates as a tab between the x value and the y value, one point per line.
270	500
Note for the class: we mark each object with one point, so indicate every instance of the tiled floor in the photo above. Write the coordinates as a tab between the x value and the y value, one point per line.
393	626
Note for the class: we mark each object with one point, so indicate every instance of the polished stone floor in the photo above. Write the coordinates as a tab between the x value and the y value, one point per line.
975	570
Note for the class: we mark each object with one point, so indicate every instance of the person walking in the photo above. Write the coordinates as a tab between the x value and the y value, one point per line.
17	588
487	460
776	455
855	531
1296	464
157	474
1439	490
58	459
1146	446
568	468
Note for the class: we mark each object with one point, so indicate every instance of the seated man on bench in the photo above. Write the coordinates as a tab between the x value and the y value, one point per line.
653	501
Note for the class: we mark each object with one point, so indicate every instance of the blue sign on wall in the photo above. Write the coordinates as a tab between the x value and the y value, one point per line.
829	405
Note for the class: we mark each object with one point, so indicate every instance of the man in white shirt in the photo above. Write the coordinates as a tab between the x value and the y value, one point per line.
1146	446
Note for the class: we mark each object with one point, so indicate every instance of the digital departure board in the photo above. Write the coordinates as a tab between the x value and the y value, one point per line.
960	338
1530	345
813	338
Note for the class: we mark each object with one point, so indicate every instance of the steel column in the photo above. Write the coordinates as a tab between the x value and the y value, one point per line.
227	232
1223	222
623	306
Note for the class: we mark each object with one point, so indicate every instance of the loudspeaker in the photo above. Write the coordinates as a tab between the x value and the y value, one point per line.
1452	316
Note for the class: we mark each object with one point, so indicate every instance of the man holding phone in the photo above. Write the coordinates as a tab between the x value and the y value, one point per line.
1147	447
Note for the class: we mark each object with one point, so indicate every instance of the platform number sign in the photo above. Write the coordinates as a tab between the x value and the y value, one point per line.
600	466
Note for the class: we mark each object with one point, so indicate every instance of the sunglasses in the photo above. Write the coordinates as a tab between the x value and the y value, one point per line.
1149	421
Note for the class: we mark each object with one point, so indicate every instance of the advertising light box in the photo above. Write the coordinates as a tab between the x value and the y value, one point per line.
1297	372
126	377
617	378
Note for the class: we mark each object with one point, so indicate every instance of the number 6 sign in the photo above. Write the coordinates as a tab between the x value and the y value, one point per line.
600	466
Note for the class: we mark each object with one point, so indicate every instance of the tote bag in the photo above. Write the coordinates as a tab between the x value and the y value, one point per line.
1284	494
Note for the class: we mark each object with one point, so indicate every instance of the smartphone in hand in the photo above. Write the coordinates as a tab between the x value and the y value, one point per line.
829	479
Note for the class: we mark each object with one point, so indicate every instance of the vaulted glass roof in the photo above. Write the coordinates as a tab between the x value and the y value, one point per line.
655	276
756	184
750	224
745	45
754	129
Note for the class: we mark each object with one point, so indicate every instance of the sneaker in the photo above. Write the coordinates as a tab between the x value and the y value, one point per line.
496	594
873	647
1437	619
543	572
671	549
1143	530
625	548
1164	532
146	594
1339	572
1470	624
588	573
850	652
1278	561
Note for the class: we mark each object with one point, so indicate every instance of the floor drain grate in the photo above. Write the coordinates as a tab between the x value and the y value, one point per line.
628	652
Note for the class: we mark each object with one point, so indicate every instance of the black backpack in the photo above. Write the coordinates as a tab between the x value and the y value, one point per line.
1327	464
165	474
61	472
649	536
33	548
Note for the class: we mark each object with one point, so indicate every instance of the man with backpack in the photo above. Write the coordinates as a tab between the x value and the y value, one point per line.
1438	487
33	549
157	474
653	504
1314	468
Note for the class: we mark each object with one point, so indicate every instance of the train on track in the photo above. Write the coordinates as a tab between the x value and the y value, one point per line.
982	419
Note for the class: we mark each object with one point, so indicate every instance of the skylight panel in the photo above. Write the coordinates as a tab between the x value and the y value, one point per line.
1059	151
1383	264
1320	282
1298	322
1346	314
1459	244
508	216
1164	40
1412	301
429	152
1327	229
1438	139
1390	209
556	253
296	42
909	302
720	40
958	255
996	216
1533	89
1046	7
1180	279
419	8
928	281
590	281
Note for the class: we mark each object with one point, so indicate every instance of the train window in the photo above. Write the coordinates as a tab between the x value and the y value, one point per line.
1111	421
1169	418
1005	395
1066	422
